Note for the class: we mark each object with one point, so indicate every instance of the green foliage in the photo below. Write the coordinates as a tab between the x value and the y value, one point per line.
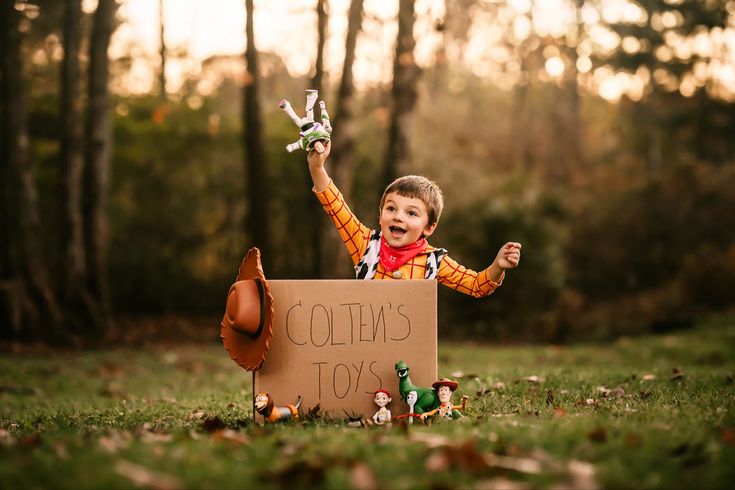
651	412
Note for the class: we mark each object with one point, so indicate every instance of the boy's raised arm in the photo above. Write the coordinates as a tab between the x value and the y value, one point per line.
316	160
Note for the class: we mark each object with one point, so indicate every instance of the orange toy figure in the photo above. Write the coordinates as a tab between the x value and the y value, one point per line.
444	389
264	406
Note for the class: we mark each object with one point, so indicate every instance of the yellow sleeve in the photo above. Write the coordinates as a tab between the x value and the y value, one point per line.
464	280
354	234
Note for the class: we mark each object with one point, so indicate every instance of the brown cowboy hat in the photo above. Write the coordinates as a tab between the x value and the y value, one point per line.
247	326
445	382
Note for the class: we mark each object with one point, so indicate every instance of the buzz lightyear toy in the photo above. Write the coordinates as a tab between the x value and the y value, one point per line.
312	133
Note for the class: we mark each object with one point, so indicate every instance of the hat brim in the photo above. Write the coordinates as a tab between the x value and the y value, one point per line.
453	385
248	351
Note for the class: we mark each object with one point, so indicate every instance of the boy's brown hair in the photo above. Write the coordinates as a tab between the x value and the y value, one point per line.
418	187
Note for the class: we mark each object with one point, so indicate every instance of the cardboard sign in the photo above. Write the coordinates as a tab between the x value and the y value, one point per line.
336	342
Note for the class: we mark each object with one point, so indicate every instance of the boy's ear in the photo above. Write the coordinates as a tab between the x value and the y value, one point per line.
429	229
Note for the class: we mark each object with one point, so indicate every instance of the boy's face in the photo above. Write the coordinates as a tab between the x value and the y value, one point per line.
403	220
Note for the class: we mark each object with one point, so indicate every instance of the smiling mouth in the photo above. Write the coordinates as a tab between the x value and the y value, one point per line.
397	231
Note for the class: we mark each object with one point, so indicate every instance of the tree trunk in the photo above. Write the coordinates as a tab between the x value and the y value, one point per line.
73	267
29	308
343	142
403	94
98	152
162	52
313	216
258	222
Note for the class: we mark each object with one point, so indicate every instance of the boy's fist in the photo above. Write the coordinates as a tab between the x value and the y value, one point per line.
319	154
509	255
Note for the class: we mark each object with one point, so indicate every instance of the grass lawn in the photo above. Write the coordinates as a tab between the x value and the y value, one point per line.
649	412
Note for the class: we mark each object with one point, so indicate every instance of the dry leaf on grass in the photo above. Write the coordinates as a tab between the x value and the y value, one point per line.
598	435
583	475
430	440
197	414
611	392
213	424
6	438
501	483
560	412
114	440
143	477
232	436
362	477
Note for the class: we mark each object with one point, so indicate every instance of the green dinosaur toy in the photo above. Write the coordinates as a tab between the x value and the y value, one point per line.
427	398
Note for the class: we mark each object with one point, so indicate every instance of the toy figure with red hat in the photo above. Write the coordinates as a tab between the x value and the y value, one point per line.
382	399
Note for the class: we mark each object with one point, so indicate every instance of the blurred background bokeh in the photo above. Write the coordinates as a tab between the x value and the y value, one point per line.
143	152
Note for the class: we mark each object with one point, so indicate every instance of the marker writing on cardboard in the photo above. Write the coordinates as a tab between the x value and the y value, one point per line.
344	379
347	323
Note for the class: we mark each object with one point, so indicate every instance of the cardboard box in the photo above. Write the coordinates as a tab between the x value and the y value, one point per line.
336	342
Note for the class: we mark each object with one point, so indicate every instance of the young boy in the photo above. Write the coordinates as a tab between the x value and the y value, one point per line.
409	212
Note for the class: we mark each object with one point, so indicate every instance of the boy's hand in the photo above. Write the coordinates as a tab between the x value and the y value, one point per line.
316	159
509	256
318	155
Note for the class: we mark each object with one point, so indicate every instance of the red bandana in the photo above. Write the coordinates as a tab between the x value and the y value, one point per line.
393	258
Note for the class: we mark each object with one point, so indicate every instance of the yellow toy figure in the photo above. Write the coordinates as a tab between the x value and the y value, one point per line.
444	389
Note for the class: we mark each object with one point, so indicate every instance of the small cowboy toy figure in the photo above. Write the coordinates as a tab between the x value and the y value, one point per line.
444	389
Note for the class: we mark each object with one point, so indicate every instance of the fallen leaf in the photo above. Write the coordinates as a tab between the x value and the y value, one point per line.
549	398
437	462
60	451
155	437
234	437
313	413
728	436
142	476
534	379
648	377
430	440
583	475
6	438
632	440
30	440
197	414
677	374
213	424
362	477
521	465
598	435
114	440
560	412
501	483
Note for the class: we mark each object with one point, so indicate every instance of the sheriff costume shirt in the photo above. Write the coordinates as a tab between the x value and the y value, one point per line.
356	237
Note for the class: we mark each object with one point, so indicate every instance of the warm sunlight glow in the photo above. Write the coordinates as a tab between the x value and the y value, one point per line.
200	30
554	67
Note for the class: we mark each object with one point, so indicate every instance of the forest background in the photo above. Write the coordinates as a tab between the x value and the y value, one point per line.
598	133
